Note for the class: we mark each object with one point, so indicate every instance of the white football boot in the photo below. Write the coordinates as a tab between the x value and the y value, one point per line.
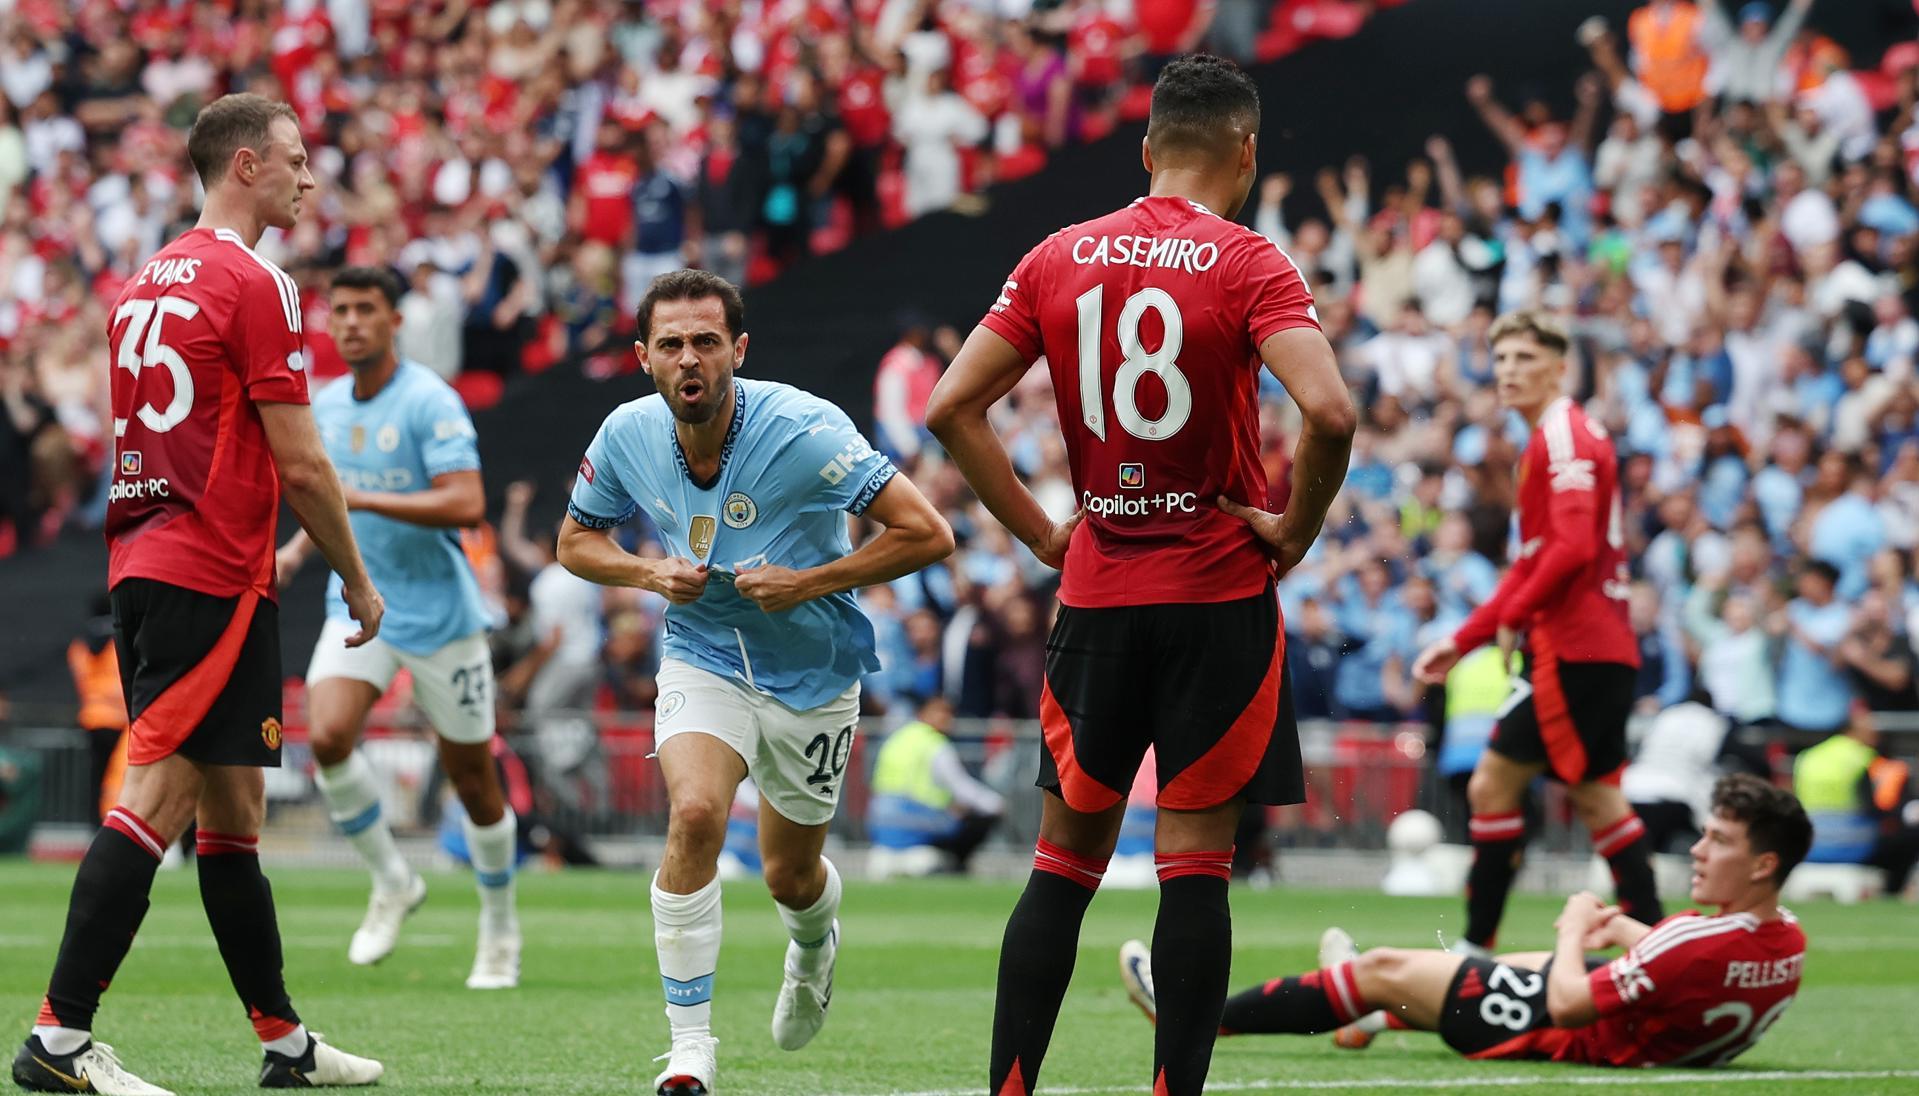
800	1011
380	930
691	1067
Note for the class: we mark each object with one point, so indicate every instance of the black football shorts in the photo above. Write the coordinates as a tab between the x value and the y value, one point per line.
1204	685
201	674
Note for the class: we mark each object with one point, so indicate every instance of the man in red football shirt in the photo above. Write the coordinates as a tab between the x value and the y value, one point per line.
1689	991
210	424
1566	593
1153	321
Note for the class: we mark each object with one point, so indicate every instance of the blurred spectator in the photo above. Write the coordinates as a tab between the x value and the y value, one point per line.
1878	657
1814	692
1379	630
1664	679
430	319
1747	58
1734	652
1863	805
660	243
35	451
95	665
904	382
1313	648
1668	55
1849	530
1669	782
934	123
923	795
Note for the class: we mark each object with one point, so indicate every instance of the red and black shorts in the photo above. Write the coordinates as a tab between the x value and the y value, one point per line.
1204	685
1568	716
201	674
1495	1010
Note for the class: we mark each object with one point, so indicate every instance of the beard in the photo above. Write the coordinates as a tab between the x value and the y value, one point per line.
702	406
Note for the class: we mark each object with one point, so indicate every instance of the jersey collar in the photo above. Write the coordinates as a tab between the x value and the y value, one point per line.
726	447
1198	207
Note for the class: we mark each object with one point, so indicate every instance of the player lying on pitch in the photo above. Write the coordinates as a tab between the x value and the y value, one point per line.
1692	990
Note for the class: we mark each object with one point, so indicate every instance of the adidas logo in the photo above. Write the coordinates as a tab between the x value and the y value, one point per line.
1471	986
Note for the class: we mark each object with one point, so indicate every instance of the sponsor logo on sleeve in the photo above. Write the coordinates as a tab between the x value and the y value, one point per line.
586	470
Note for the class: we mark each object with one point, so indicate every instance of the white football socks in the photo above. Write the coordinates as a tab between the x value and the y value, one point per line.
811	926
686	934
353	800
491	849
61	1040
292	1044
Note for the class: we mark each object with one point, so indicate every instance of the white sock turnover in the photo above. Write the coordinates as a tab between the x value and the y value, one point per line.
353	801
491	849
686	934
811	926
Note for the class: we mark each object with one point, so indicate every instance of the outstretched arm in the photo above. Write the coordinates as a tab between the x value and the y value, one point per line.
1479	92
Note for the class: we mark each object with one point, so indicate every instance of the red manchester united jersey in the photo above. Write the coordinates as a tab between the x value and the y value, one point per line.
1150	320
1694	991
1568	588
207	329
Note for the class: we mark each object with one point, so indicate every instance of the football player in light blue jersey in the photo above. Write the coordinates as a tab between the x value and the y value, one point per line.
404	448
749	483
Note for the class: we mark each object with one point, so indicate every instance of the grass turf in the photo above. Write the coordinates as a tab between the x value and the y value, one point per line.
914	996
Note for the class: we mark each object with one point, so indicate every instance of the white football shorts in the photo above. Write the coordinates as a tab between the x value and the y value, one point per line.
798	759
453	686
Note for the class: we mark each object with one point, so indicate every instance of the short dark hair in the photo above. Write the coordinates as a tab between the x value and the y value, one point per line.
370	277
1775	820
692	285
229	124
1202	103
1824	570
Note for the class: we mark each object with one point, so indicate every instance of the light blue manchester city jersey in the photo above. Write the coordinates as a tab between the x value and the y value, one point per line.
412	430
792	467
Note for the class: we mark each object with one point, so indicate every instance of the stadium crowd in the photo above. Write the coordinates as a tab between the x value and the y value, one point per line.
528	165
1727	222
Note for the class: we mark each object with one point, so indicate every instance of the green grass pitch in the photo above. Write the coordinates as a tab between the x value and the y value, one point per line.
913	1005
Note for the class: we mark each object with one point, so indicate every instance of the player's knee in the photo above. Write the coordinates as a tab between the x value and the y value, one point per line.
332	743
1597	805
1487	793
1378	970
793	883
694	822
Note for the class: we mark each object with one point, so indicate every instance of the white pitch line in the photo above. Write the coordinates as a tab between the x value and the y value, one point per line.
1621	1079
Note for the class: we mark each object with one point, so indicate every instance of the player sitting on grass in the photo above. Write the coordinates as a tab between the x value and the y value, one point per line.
1692	990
